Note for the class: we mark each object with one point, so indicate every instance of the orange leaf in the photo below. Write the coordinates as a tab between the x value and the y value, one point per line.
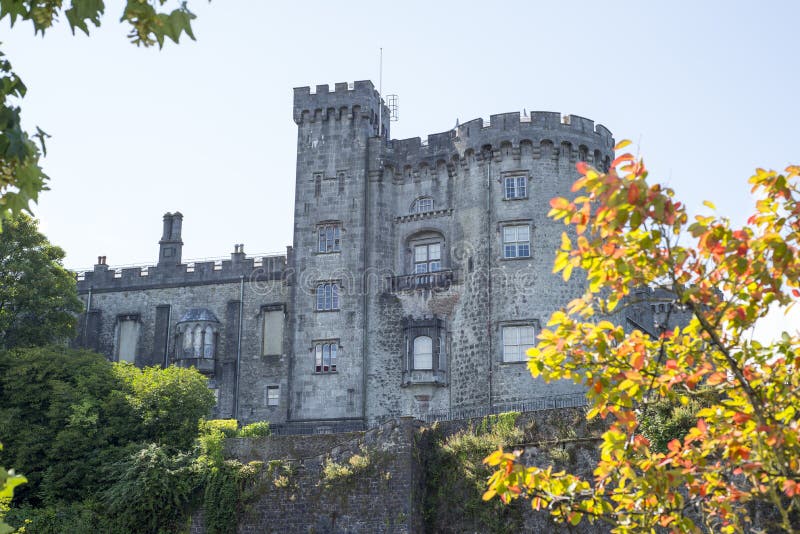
582	167
559	203
637	362
701	426
633	194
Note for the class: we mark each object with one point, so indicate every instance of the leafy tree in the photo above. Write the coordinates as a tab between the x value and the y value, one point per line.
38	298
741	457
169	402
67	415
153	491
63	413
21	176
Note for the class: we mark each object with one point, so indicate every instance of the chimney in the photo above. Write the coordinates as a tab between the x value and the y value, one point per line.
171	245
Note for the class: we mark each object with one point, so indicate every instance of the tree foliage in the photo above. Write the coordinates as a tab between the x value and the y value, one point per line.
741	454
8	481
67	415
21	176
168	402
38	298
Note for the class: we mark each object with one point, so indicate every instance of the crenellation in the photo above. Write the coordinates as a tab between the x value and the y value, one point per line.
425	248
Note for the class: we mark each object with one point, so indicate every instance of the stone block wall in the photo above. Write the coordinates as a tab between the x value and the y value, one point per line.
381	498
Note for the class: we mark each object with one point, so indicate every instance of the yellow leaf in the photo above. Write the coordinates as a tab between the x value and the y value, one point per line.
622	144
567	272
709	204
566	244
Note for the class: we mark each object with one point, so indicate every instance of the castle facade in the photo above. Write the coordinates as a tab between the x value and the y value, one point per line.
419	274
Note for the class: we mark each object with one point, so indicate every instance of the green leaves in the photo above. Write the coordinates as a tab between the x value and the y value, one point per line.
151	27
83	11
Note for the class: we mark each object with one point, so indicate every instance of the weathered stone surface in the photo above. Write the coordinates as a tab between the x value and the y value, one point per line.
368	187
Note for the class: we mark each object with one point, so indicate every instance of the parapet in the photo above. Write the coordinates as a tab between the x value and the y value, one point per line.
342	103
578	136
221	271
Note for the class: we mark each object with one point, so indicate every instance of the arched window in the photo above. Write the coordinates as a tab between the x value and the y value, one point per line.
188	343
198	341
208	343
327	296
423	352
422	205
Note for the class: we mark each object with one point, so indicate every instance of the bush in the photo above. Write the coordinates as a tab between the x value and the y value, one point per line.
170	402
153	491
255	430
63	414
457	477
228	427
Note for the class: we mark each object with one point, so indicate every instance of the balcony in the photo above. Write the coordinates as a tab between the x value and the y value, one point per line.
437	281
434	377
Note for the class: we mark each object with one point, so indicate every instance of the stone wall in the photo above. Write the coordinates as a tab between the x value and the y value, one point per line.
379	497
388	495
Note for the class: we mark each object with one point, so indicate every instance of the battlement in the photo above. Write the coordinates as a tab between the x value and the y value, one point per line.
544	131
346	102
104	278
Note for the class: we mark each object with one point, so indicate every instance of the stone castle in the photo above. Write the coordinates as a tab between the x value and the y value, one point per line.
419	274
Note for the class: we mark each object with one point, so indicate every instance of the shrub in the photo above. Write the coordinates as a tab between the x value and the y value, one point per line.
457	476
255	430
153	491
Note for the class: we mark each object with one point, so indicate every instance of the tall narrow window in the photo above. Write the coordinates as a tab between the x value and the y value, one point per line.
516	187
427	258
423	352
208	343
329	238
127	340
517	340
272	332
198	342
325	357
328	296
516	241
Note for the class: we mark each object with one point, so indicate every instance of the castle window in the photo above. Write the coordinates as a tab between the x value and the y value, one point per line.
208	342
425	360
327	296
127	338
272	330
517	340
422	205
516	241
273	395
516	187
329	238
325	356
427	258
196	340
423	352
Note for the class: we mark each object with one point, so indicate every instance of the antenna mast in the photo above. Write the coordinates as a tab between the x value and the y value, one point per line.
380	95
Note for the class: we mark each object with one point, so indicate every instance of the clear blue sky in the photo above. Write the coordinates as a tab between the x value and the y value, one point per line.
707	90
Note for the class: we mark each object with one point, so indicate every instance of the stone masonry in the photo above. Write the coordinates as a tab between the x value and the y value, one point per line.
419	273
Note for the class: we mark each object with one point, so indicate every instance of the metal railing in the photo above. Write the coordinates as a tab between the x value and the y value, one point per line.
537	404
435	280
534	404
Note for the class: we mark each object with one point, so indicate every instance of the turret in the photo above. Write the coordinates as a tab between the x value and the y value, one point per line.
346	103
